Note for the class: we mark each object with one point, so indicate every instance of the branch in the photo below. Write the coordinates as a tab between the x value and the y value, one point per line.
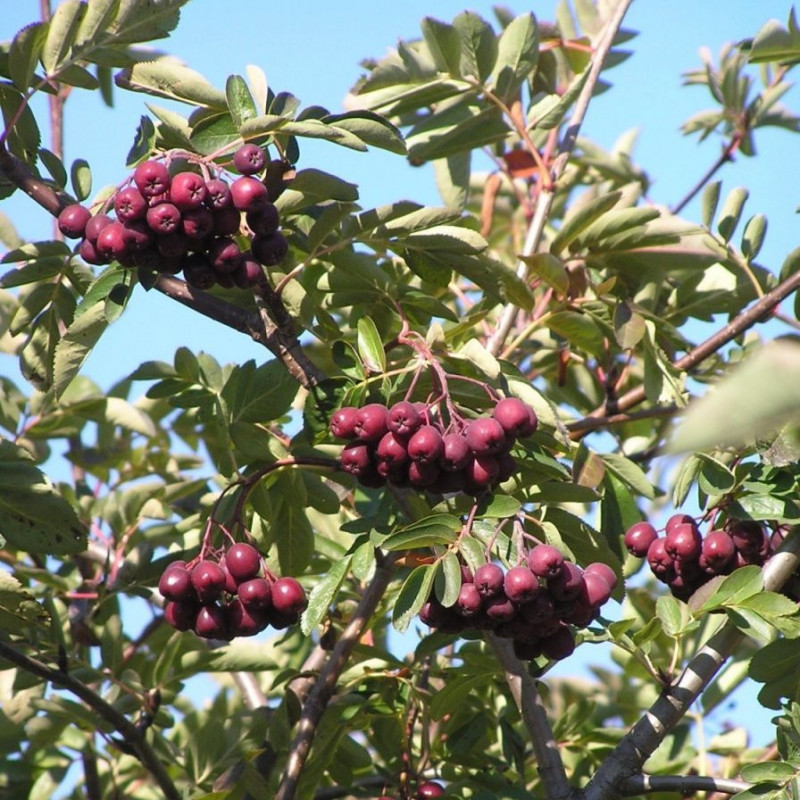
646	735
546	196
680	784
43	193
132	736
724	157
321	692
714	343
529	702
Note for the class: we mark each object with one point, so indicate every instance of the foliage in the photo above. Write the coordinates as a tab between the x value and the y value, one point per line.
551	278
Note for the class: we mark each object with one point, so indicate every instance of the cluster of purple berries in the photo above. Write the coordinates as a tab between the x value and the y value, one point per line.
535	605
227	597
407	444
684	559
186	222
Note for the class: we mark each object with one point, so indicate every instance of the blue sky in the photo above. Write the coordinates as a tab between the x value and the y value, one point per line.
313	49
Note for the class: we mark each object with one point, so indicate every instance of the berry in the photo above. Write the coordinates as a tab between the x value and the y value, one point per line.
661	563
249	159
218	194
269	250
151	178
288	597
500	609
264	220
639	537
111	242
489	579
678	519
187	190
426	445
569	584
244	621
95	225
515	417
137	236
356	458
249	273
422	474
481	472
391	450
545	561
173	245
485	436
255	594
182	614
248	194
747	535
72	220
683	542
227	221
197	223
403	419
718	552
520	585
604	571
164	218
176	584
456	454
558	645
371	422
198	272
224	254
429	789
88	252
130	204
469	601
343	422
243	561
211	623
596	589
208	580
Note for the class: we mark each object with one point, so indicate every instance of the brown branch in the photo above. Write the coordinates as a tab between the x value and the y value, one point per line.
724	157
526	696
641	741
43	193
544	201
131	735
680	784
592	423
321	692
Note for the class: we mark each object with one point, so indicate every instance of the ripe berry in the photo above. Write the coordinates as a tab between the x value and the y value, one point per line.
515	417
197	223
211	623
403	419
661	563
88	252
481	472
137	236
182	615
499	609
371	422
111	242
218	194
540	610
426	445
176	584
683	542
718	552
208	580
244	621
130	204
545	561
356	458
422	474
72	220
249	159
151	178
243	561
343	422
255	594
469	601
747	535
264	220
558	645
249	273
603	571
678	519
456	454
269	250
485	436
198	272
164	218
95	225
391	450
187	190
173	245
639	537
248	194
429	789
596	589
520	585
227	221
569	584
489	579
288	597
224	254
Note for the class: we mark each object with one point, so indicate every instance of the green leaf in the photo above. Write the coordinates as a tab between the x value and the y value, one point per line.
715	478
97	21
370	346
753	236
62	31
214	132
413	595
498	506
81	179
24	54
517	56
18	608
582	217
240	102
452	179
444	44
448	579
143	143
550	269
454	693
629	473
685	479
54	166
478	45
370	128
708	202
76	344
259	394
731	212
771	771
458	129
314	185
735	588
436	529
166	78
629	327
473	351
34	518
775	43
549	112
669	612
323	594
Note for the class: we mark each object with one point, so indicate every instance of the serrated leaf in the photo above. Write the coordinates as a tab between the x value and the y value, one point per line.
413	595
213	133
370	346
34	518
629	473
240	102
143	143
62	31
24	53
323	593
478	45
517	56
715	478
167	78
735	588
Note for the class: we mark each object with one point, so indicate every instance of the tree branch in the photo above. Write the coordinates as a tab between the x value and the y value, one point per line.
132	736
640	742
529	702
724	157
321	692
544	201
680	784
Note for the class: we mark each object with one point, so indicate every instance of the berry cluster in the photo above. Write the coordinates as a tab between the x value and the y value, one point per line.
226	597
188	221
408	444
684	559
533	604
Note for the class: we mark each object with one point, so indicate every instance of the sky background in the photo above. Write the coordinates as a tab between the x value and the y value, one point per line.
313	49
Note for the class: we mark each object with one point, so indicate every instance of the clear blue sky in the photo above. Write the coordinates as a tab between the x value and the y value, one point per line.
313	48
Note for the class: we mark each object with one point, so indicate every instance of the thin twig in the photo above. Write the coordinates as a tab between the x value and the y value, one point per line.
724	157
680	784
132	736
546	196
526	696
321	692
641	741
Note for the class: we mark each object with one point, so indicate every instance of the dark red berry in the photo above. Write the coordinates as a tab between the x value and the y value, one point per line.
208	580
482	472
88	252
356	458
422	474
248	194
187	190
264	220
604	571
255	594
111	242
182	615
485	436
243	561
569	584
269	250
151	178
678	519
429	789
249	159
343	422
198	272
596	589
227	221
403	418
489	579
218	194
391	450
130	204
545	561
173	245
288	596
197	223
520	585
249	273
164	218
683	542
211	622
515	417
137	236
747	535
426	445
661	562
718	552
499	608
469	601
176	584
371	422
558	645
72	220
95	225
224	254
639	537
243	620
456	454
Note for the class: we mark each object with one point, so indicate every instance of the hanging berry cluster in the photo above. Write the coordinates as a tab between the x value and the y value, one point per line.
188	219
